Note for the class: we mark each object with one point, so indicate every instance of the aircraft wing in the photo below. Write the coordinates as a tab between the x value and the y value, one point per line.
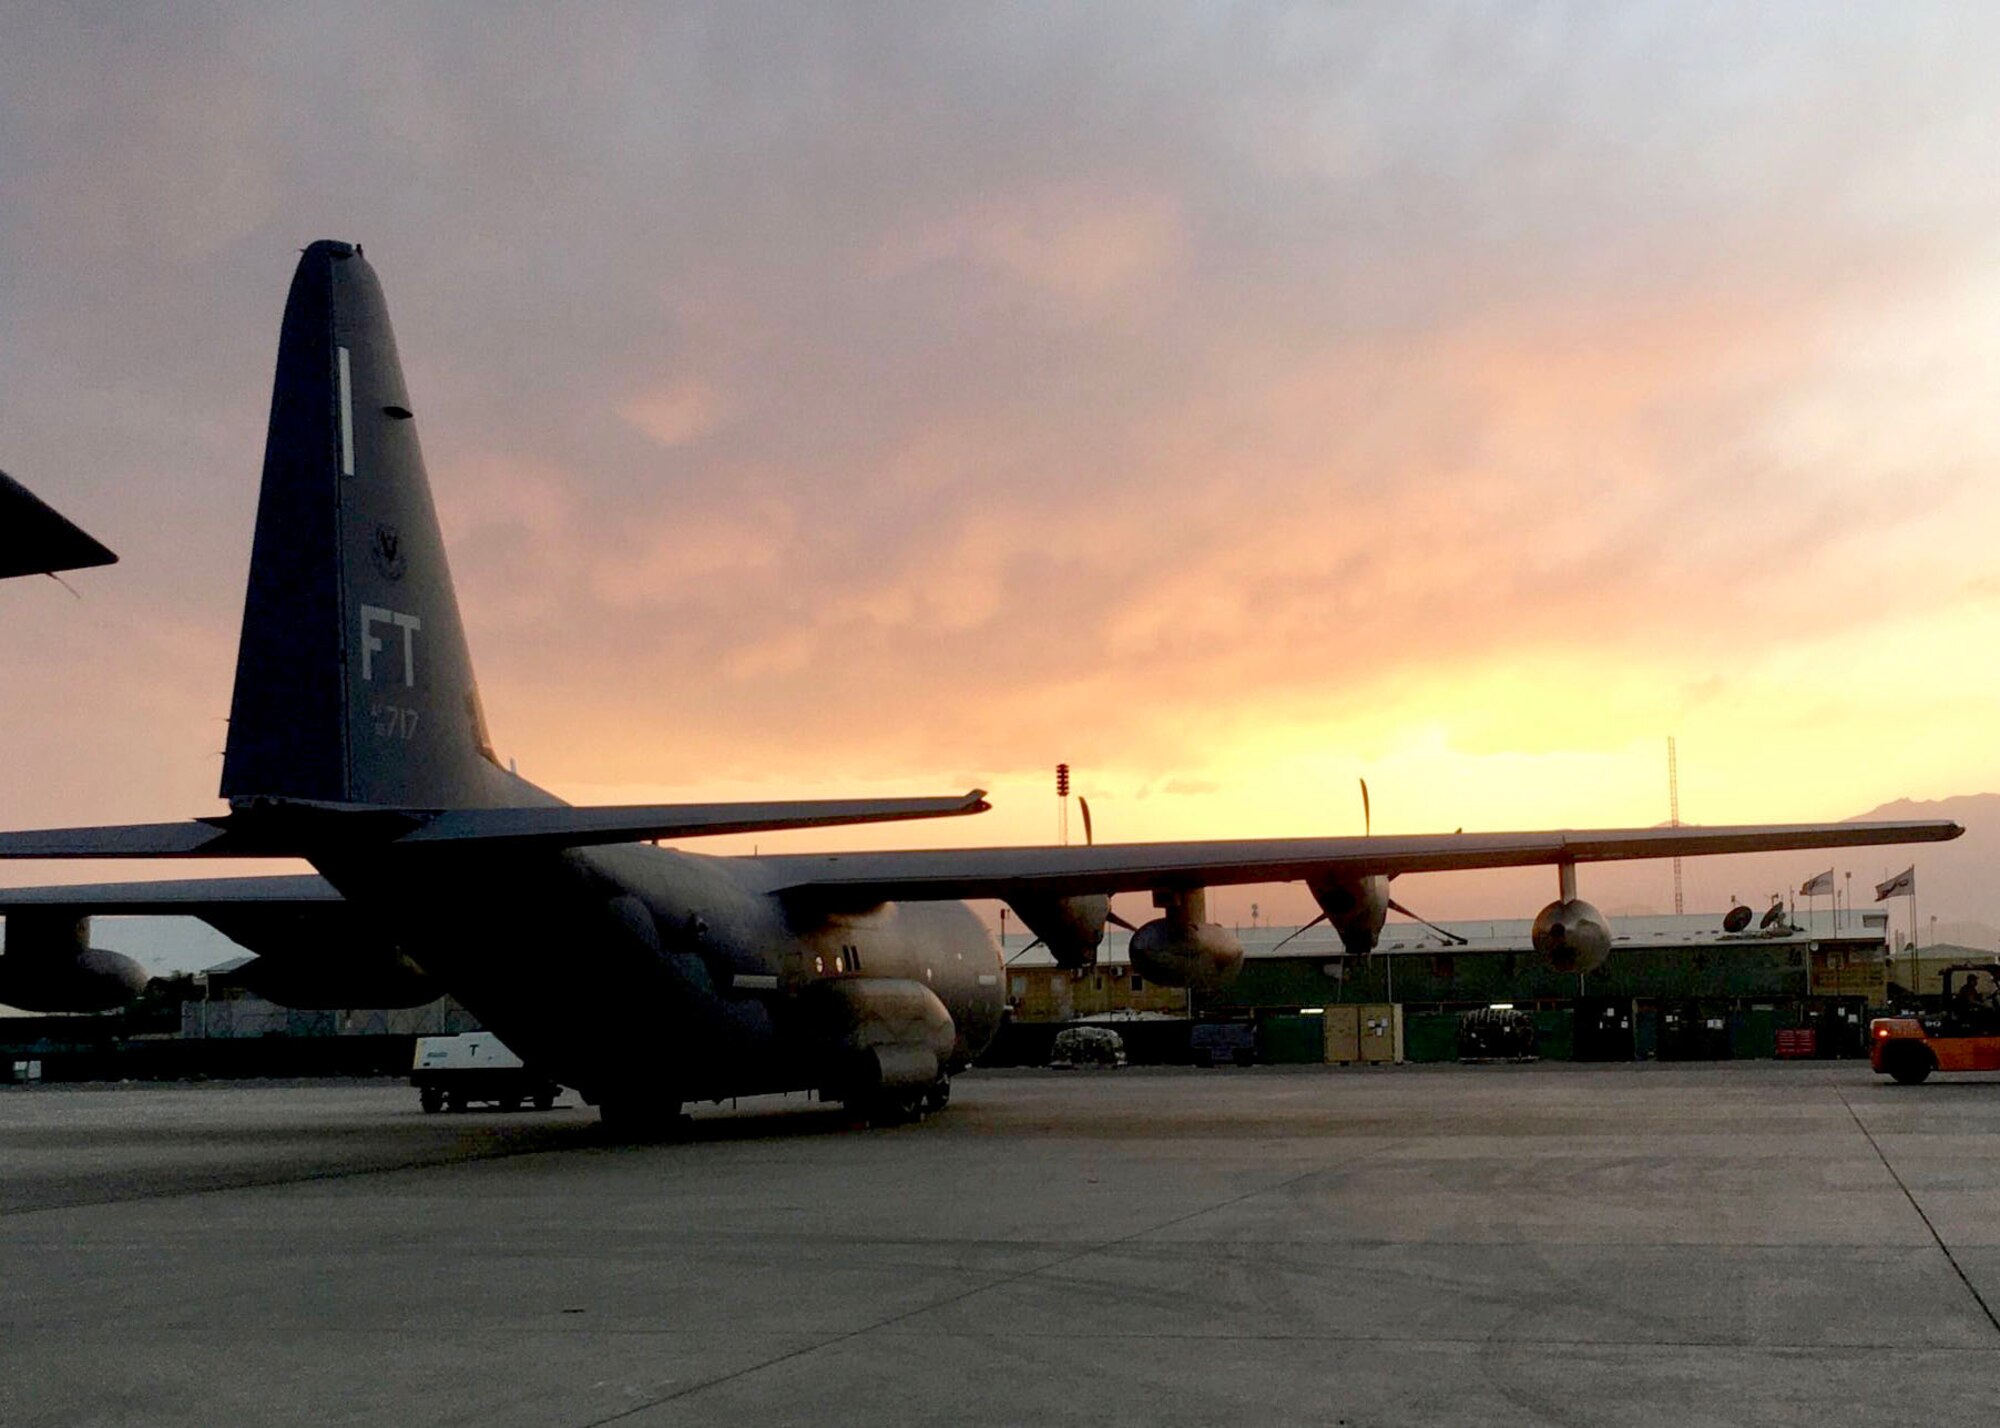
1110	868
293	829
930	874
35	539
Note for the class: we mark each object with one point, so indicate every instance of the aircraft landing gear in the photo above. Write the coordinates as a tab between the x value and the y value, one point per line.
900	1107
894	1110
641	1119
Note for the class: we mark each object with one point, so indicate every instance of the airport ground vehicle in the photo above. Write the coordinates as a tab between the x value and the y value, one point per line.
1223	1043
452	1072
1962	1033
1496	1034
1079	1046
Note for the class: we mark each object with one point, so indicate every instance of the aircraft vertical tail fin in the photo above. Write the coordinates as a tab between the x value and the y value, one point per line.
353	681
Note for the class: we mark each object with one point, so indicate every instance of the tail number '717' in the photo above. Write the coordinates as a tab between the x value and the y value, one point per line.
393	721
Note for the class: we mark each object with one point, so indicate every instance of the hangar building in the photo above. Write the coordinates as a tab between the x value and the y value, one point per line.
1674	987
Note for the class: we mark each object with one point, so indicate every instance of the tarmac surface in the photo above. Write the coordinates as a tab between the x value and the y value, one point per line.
1709	1244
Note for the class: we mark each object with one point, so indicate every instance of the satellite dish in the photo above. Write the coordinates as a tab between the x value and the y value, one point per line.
1737	919
1773	915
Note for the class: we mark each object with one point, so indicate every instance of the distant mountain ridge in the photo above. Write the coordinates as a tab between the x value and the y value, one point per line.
1955	880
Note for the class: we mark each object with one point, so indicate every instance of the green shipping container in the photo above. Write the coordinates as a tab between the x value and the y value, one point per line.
1291	1040
1755	1034
1430	1036
1555	1034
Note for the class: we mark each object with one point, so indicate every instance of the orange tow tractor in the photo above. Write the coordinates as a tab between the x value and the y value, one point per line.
1961	1034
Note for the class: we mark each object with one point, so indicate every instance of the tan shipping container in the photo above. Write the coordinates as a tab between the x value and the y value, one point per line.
1343	1033
1377	1032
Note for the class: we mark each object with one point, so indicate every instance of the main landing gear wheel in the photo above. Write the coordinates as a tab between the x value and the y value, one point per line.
897	1108
880	1110
640	1119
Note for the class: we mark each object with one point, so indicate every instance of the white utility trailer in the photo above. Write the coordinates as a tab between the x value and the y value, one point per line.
453	1072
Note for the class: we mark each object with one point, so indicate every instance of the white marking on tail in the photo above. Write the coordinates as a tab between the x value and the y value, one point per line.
346	417
373	615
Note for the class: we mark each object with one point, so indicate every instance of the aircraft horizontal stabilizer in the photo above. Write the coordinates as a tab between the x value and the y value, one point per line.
121	840
563	827
287	828
191	896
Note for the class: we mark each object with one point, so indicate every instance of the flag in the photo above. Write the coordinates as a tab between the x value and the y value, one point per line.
1904	884
1818	886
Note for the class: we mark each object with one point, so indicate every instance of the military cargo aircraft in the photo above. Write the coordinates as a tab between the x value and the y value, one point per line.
645	977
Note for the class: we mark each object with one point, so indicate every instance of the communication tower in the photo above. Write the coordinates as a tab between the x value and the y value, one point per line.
1674	812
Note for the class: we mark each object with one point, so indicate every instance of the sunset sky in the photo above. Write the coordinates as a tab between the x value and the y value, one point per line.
1234	401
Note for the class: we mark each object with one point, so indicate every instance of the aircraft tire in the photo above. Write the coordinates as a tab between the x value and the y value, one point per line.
545	1100
881	1108
641	1119
938	1096
431	1099
884	1111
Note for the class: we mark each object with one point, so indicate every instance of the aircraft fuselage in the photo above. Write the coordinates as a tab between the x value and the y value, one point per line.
639	971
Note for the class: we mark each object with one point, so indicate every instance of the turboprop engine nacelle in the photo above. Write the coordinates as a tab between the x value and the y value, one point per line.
1072	928
50	966
1356	908
1572	935
1183	948
371	978
881	1033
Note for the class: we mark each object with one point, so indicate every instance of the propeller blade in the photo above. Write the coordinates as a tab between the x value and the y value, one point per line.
1452	937
1116	921
1367	818
1024	951
1084	804
1289	936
